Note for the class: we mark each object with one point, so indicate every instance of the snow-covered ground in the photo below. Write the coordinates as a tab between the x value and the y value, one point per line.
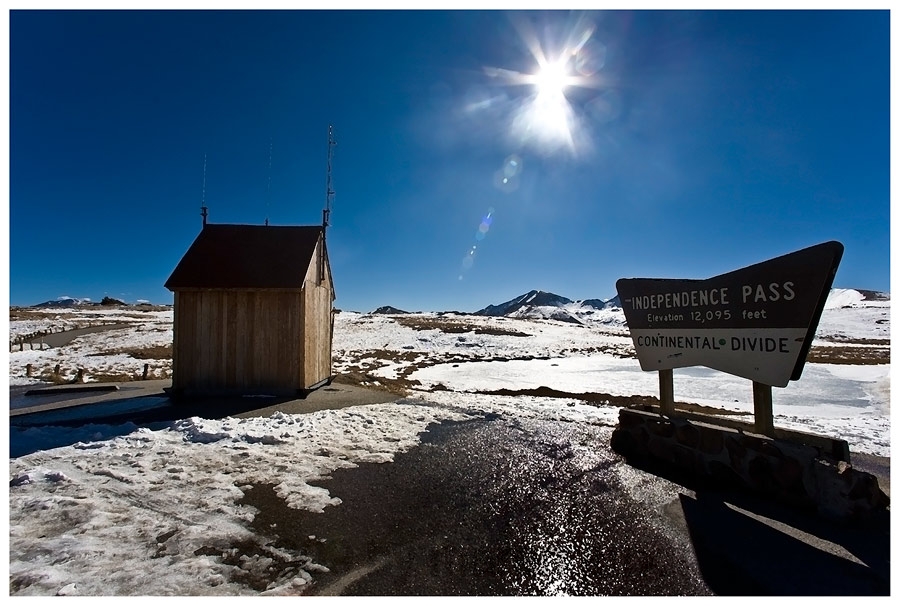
132	511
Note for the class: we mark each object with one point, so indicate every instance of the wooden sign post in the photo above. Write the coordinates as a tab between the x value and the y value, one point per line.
763	418
757	322
666	392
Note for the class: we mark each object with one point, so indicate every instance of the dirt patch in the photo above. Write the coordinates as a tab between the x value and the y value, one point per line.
822	354
456	327
853	341
114	377
403	386
603	399
619	351
399	387
155	352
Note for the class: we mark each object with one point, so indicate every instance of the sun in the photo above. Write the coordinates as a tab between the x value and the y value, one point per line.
547	115
552	78
550	115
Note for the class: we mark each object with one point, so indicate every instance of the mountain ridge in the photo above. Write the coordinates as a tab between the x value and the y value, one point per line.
540	298
539	304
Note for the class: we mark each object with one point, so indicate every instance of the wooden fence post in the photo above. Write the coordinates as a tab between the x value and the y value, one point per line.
28	370
146	370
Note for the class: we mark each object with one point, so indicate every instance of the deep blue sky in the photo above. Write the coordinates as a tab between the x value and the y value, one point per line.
704	142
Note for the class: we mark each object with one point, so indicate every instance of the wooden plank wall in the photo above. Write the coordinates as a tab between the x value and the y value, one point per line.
318	299
237	341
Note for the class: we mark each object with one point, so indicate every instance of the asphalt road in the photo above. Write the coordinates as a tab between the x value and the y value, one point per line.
80	403
510	507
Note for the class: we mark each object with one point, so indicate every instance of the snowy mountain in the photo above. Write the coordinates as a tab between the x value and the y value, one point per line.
538	304
601	303
534	298
541	305
848	297
64	302
874	295
387	309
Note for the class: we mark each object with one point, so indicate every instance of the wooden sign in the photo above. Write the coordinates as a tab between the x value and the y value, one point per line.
757	322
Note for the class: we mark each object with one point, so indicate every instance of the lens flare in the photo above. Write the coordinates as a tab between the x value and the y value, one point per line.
506	179
483	228
512	166
591	58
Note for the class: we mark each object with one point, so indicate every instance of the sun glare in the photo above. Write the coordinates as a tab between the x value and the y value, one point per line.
552	78
550	115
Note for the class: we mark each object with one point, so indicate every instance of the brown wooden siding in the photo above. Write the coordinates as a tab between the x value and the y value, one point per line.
238	341
318	298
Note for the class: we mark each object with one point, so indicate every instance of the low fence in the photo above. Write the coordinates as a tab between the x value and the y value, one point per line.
36	338
57	375
31	337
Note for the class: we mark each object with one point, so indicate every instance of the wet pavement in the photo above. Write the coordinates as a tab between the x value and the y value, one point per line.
147	401
498	507
516	507
44	397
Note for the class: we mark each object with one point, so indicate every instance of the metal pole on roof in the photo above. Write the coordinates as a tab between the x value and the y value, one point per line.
269	182
329	191
329	196
203	209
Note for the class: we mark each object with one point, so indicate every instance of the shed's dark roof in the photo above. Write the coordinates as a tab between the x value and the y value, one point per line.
246	256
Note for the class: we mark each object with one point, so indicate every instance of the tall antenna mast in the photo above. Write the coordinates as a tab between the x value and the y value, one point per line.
329	192
203	209
329	196
269	182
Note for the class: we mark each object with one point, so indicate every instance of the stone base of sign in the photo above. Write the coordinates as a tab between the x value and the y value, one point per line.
796	473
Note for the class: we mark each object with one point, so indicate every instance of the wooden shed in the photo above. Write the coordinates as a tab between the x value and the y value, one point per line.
253	311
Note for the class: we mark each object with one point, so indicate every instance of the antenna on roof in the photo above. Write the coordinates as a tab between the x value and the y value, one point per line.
329	192
203	209
329	196
269	182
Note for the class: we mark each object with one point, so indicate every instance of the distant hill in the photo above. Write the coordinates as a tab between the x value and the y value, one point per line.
64	302
849	297
534	298
873	295
600	303
67	302
388	310
538	304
